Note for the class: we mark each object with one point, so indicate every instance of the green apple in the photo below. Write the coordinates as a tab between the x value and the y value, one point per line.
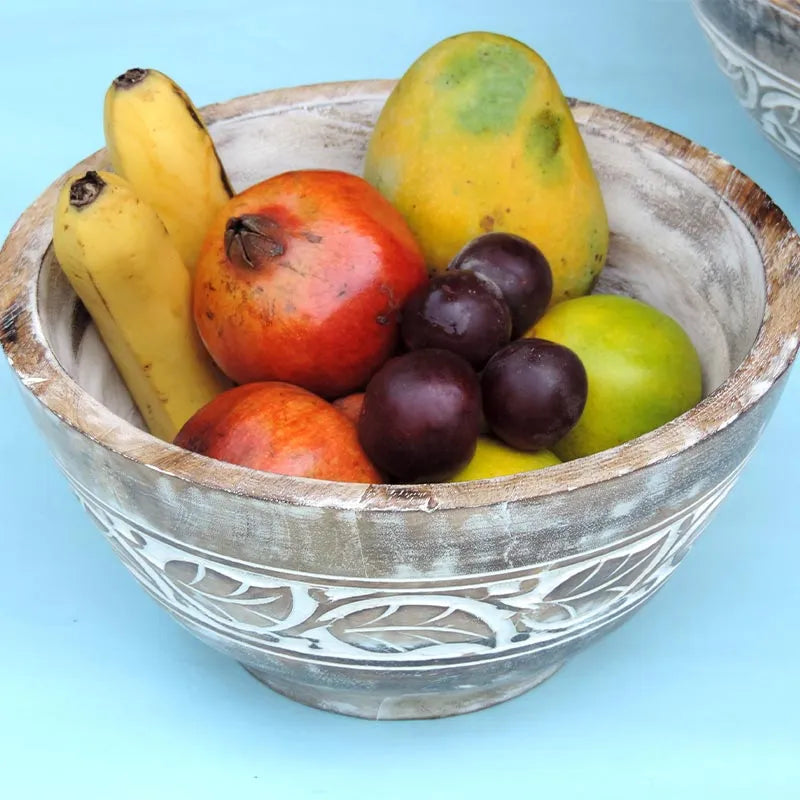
641	366
493	458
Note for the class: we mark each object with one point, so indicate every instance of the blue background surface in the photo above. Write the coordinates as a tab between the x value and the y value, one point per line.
102	695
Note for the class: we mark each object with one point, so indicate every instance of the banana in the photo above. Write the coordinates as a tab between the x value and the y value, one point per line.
157	141
116	253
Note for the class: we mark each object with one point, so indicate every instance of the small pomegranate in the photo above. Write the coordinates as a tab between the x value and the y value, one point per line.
277	427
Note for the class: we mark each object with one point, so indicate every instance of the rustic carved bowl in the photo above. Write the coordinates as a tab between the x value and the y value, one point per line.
427	600
756	44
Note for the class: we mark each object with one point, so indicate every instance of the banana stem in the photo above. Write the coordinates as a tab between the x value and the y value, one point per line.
130	78
84	191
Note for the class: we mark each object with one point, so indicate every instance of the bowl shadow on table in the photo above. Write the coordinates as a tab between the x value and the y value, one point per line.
431	600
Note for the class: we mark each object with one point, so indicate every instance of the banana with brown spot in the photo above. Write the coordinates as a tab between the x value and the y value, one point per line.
119	259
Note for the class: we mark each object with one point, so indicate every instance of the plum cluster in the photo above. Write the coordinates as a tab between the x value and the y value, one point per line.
468	365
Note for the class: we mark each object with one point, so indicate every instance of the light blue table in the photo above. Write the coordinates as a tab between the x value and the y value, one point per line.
103	696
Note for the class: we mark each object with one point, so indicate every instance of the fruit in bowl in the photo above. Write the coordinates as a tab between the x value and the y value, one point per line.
517	267
493	459
301	278
278	427
534	392
643	370
485	114
461	311
123	265
311	279
399	601
421	415
350	405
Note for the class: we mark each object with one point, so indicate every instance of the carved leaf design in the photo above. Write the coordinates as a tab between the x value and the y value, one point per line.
613	574
138	564
524	594
767	96
551	601
398	628
133	538
201	579
235	600
523	587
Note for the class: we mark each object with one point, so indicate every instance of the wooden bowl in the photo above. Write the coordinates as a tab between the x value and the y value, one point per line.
426	600
756	44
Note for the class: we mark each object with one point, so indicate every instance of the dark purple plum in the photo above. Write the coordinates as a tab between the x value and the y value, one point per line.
517	267
460	311
534	391
421	416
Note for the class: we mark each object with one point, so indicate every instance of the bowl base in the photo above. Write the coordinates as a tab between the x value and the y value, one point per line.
403	706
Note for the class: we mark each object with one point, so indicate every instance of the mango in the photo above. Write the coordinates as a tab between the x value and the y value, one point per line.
642	369
476	137
493	458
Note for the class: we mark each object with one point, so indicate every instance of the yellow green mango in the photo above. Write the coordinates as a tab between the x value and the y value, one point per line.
493	458
642	369
477	137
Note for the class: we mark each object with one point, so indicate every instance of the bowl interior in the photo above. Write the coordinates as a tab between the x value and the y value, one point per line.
676	243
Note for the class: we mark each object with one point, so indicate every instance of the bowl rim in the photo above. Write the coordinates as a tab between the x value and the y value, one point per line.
771	355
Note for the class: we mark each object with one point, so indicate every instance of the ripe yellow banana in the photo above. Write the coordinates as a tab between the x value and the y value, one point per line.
157	141
117	255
